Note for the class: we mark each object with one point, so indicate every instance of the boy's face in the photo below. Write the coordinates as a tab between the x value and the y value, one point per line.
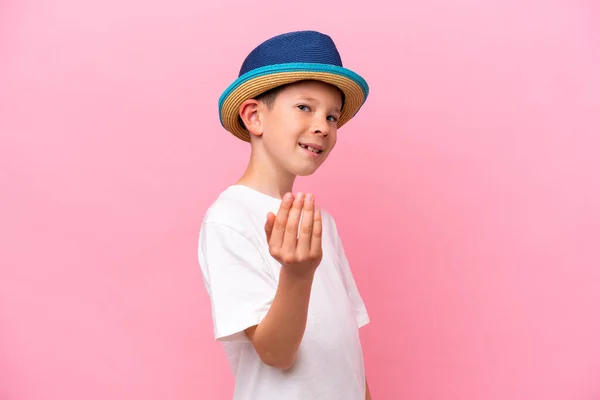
299	130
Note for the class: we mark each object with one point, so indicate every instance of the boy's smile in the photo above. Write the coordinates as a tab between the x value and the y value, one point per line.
314	150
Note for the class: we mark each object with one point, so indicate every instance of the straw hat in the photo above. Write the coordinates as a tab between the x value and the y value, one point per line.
288	58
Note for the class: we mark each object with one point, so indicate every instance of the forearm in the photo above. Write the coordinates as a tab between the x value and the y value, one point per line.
278	336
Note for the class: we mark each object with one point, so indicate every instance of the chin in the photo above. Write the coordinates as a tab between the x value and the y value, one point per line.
304	167
304	171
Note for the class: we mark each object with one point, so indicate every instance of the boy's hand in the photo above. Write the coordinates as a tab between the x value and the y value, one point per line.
299	255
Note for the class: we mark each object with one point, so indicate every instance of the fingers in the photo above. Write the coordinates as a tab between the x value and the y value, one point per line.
317	233
306	226
288	245
276	237
290	238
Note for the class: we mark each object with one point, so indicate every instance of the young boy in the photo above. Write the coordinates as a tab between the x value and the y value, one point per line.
284	302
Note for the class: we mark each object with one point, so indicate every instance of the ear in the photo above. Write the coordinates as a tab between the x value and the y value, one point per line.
250	114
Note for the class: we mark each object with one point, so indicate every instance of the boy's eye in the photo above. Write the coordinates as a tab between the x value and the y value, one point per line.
332	118
302	107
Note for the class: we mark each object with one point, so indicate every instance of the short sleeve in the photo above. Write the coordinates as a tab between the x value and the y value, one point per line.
238	279
360	310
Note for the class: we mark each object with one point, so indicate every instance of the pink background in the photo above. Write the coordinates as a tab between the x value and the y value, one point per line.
466	191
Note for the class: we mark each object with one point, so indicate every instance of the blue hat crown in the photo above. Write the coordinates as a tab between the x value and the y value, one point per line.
294	47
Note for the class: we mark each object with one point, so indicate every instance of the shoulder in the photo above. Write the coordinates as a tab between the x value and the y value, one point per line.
328	221
228	212
330	232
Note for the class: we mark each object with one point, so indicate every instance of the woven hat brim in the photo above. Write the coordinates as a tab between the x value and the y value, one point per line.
259	81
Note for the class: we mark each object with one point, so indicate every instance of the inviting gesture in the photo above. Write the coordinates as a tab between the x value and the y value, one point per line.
300	253
267	286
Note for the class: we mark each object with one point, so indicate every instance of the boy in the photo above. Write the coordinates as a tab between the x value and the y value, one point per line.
284	302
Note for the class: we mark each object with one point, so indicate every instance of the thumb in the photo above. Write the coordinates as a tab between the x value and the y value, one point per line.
269	225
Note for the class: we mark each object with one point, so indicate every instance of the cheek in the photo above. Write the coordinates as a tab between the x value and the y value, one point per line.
293	125
333	139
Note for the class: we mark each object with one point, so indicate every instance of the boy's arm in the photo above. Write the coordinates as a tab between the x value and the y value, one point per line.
277	337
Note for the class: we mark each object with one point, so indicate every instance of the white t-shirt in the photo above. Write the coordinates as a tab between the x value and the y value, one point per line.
241	279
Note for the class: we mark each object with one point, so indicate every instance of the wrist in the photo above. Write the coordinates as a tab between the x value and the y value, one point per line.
292	276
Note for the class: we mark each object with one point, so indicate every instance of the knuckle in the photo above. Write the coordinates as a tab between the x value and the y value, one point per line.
305	229
287	258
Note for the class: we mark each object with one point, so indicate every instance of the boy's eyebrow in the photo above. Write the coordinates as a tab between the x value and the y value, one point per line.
308	98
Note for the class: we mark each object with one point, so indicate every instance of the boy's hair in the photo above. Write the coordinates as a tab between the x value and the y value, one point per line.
269	97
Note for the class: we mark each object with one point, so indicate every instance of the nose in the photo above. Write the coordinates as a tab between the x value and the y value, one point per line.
321	125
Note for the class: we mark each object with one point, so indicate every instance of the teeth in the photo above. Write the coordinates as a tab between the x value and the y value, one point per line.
317	151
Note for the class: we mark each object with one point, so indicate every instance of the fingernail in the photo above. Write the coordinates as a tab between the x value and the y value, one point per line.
287	197
300	196
309	196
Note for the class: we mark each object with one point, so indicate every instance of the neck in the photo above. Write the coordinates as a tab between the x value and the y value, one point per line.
265	176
